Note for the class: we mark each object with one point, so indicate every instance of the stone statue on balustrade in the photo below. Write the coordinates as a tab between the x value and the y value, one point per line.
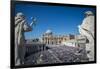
21	26
87	29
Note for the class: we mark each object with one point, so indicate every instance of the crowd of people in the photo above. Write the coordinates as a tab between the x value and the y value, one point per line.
61	54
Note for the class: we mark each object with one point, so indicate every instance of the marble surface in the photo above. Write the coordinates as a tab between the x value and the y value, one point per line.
87	29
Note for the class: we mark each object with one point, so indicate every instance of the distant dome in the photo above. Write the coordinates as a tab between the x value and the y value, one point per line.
48	31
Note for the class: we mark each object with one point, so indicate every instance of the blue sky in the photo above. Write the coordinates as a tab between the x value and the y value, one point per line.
62	20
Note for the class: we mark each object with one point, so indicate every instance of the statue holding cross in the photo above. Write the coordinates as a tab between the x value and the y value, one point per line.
21	26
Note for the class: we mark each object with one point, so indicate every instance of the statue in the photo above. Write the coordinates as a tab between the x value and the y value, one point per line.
21	26
87	29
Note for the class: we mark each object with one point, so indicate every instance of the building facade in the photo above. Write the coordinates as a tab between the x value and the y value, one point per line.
49	38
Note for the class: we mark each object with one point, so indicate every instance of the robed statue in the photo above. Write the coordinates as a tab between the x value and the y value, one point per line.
87	29
21	26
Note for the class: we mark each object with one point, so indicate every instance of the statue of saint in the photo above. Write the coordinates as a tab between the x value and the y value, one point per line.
21	26
87	29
